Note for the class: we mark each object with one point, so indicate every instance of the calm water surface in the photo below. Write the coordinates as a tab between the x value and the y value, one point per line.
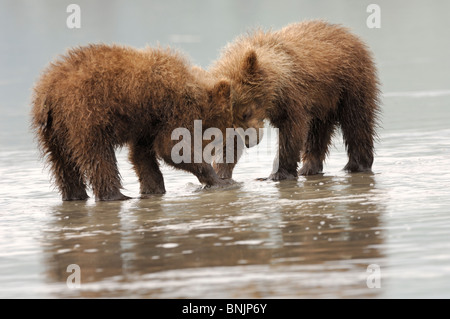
313	238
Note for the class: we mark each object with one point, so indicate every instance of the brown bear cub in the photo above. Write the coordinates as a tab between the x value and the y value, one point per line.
306	79
98	97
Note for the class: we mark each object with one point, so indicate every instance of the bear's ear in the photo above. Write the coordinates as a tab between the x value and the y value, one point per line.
222	90
250	63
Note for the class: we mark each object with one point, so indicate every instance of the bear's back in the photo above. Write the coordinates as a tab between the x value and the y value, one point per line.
326	47
111	79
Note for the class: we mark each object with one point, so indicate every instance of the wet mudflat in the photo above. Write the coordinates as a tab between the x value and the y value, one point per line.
314	237
311	238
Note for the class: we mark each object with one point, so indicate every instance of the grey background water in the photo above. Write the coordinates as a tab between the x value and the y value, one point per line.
314	237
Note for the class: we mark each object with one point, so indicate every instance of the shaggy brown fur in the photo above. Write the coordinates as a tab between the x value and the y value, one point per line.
100	97
306	78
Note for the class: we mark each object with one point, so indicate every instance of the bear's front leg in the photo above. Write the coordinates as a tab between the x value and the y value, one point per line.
225	161
143	157
316	146
281	175
205	174
224	170
288	155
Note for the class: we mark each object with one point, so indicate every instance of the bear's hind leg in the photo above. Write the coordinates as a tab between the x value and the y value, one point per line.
67	175
316	146
99	163
74	187
143	157
358	128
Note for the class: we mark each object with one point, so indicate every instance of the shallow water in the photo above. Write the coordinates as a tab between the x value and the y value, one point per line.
312	238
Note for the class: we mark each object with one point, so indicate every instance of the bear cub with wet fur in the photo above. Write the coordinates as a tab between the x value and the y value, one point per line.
306	79
98	97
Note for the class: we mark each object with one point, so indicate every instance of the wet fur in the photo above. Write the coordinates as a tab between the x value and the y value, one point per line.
98	97
306	79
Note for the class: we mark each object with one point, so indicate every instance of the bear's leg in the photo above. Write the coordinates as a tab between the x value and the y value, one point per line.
316	146
203	171
71	183
143	157
225	169
358	129
68	178
289	146
99	162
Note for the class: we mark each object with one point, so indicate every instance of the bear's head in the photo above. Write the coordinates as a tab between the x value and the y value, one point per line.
224	117
220	104
248	95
